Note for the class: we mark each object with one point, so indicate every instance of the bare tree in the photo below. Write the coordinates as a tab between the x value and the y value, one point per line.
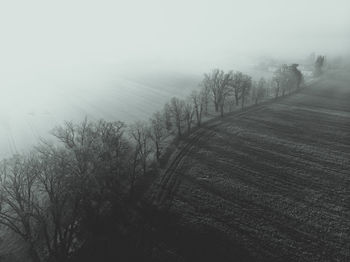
134	169
98	149
269	87
258	90
157	132
254	92
236	84
41	201
218	83
276	86
199	103
177	112
140	134
99	159
62	196
19	202
80	140
167	116
211	82
224	89
51	197
245	88
205	95
188	114
279	80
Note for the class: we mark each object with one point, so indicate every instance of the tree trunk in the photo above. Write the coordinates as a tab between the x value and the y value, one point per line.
179	130
222	110
133	178
236	98
199	120
198	117
157	151
206	108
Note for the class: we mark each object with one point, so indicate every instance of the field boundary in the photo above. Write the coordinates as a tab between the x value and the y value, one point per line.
166	185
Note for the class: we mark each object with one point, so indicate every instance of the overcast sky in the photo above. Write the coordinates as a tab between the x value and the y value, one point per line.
66	59
41	37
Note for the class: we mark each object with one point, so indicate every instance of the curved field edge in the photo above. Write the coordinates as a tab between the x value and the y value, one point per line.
273	182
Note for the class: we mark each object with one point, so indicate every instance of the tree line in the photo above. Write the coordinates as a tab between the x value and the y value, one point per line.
54	196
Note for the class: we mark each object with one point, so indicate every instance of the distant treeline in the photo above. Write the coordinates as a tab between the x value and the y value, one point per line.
54	197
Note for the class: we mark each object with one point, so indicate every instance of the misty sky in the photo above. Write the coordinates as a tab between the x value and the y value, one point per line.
39	36
66	59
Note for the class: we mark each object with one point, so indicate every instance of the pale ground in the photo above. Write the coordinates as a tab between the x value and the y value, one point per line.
32	105
27	114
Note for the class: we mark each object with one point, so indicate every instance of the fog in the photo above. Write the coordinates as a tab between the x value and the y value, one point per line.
63	60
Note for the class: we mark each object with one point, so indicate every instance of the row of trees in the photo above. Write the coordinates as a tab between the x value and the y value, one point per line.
53	197
222	91
226	88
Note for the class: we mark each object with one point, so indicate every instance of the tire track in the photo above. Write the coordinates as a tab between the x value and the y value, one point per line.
170	179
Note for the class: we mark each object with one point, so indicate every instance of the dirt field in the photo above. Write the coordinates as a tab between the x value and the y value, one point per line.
271	183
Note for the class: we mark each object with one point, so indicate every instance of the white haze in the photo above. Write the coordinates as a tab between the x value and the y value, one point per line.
62	60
